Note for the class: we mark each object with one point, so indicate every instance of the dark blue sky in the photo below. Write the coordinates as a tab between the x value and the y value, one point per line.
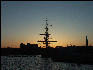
22	21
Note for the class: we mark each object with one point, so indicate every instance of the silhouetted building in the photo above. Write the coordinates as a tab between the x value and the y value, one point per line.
22	45
28	45
86	42
34	45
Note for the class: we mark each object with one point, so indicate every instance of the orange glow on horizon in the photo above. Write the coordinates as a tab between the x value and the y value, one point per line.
17	44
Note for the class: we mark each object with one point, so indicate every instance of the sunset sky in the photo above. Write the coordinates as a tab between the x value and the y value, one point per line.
23	21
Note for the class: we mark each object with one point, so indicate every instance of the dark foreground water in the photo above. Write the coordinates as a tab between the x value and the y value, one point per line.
25	62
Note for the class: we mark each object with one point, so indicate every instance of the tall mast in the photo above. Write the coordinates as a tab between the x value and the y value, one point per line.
46	35
86	41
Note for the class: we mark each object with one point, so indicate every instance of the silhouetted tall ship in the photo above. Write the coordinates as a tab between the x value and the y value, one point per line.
46	38
46	35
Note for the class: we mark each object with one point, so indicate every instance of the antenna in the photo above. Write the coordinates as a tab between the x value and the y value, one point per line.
46	35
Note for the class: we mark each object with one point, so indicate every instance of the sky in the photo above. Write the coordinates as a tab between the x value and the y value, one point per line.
23	21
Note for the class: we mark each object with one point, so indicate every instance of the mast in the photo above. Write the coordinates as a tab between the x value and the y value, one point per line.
86	41
46	35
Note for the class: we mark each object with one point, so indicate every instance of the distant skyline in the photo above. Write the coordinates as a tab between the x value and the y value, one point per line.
23	21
